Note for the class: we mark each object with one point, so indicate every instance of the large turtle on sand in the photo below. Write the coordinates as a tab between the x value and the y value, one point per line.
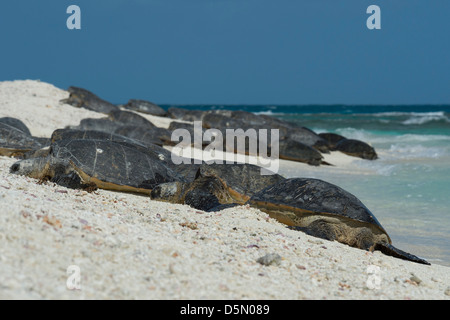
324	210
91	163
217	184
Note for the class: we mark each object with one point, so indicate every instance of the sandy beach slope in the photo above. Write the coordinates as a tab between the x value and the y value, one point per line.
127	246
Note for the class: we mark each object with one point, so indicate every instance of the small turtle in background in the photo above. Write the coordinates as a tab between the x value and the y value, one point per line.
357	148
91	163
15	139
129	118
82	98
185	114
308	137
19	125
324	210
351	147
145	107
332	139
16	123
296	151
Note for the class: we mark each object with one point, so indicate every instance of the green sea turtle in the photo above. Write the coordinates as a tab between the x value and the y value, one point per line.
297	151
185	114
16	123
155	135
86	163
332	139
308	137
97	124
149	134
287	132
82	98
145	107
143	145
216	184
218	120
249	118
195	135
356	148
324	210
242	179
15	143
130	118
289	148
71	134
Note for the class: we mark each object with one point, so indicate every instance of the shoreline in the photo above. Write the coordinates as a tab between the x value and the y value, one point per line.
130	247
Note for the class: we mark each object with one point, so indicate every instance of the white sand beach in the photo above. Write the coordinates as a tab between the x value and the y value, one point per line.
127	246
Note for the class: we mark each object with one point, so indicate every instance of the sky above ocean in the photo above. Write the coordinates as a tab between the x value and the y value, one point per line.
234	51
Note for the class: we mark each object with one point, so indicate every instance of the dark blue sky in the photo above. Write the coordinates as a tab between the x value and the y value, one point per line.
234	51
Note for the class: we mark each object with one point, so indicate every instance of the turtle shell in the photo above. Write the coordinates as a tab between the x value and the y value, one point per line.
145	107
15	142
241	180
16	123
114	165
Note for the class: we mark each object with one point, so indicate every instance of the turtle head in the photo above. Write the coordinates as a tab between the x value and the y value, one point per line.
34	167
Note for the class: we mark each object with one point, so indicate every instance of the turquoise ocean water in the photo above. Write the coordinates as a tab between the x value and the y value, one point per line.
408	189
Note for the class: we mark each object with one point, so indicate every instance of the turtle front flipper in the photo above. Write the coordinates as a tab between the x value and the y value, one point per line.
390	250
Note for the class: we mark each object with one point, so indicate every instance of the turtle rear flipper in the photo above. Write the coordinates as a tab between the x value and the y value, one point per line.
390	250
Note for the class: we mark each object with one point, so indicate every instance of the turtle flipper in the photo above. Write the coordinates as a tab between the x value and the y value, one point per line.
390	250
